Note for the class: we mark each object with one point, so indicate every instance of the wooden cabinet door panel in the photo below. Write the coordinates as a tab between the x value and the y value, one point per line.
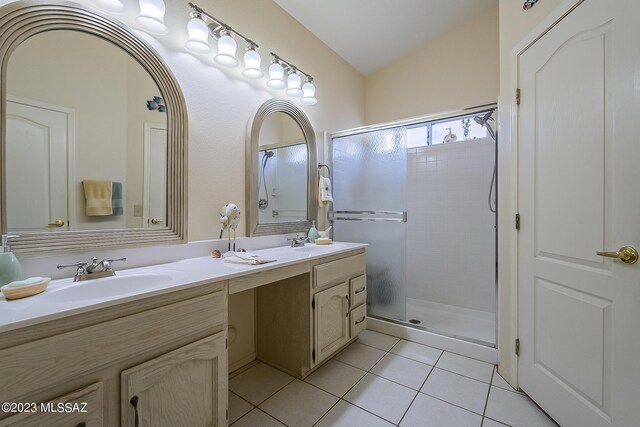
185	387
331	320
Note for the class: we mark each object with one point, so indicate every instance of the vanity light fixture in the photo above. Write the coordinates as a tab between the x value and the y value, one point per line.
198	41
309	92
276	75
151	17
227	48
110	5
282	74
252	62
293	83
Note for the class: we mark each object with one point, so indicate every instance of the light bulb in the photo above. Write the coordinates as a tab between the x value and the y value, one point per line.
110	5
151	17
198	41
293	84
252	63
276	76
309	93
226	51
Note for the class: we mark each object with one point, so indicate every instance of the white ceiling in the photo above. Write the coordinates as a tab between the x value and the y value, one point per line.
370	34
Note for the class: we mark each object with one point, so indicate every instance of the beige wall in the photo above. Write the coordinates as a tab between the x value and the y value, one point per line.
457	70
515	25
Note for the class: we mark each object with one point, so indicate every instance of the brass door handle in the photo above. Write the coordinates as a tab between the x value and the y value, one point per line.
56	223
155	221
626	254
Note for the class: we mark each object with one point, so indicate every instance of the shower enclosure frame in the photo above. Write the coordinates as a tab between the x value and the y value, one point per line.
414	121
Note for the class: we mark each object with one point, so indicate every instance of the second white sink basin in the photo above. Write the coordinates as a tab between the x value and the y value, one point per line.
313	248
108	287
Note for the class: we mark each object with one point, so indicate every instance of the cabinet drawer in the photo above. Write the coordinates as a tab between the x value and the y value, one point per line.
81	407
358	293
358	320
336	271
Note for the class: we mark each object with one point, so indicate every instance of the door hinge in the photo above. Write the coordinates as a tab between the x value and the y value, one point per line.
313	355
227	415
226	343
313	304
517	221
518	96
517	346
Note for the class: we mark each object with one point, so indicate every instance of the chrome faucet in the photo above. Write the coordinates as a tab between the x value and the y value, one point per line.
95	270
298	241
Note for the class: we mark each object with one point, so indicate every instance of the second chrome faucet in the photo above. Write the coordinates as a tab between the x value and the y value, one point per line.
95	270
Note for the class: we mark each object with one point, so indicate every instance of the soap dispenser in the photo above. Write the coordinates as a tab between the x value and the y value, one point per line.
313	232
10	269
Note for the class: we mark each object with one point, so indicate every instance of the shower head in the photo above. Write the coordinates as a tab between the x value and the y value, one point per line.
484	121
481	120
268	154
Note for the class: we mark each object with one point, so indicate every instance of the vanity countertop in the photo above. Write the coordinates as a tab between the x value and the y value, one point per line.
65	298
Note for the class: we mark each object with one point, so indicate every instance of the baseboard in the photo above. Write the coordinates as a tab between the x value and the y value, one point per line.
242	362
464	348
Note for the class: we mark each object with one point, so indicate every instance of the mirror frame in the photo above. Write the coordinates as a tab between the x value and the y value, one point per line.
254	228
23	19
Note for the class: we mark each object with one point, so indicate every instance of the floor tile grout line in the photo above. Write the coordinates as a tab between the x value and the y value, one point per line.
423	383
463	375
486	402
452	404
367	372
356	383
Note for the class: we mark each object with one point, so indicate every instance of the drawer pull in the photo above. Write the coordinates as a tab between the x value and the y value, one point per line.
361	320
83	424
360	290
134	403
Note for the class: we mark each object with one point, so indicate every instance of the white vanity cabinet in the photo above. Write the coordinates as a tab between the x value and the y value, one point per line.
344	284
169	351
187	386
303	320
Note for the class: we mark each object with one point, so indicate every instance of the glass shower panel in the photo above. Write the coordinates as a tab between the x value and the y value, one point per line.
369	174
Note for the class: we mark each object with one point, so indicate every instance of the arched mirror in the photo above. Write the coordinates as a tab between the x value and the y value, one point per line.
282	170
93	133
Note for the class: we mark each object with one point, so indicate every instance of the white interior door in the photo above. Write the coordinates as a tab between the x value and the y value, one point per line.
36	162
579	180
155	176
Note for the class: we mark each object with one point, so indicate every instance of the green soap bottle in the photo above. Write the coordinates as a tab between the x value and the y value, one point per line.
10	268
313	232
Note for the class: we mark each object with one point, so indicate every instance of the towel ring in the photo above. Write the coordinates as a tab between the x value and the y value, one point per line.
320	166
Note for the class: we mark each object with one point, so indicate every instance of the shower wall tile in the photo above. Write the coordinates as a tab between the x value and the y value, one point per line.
450	230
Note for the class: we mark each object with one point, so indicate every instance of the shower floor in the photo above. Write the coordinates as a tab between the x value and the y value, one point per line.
452	320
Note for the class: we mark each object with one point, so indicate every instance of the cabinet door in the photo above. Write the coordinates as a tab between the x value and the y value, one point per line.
331	320
186	387
80	408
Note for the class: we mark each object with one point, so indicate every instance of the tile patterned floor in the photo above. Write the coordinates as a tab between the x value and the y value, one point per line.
382	380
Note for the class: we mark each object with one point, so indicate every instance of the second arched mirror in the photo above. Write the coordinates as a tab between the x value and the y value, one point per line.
282	170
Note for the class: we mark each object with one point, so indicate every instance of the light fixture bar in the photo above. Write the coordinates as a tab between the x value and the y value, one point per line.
289	66
221	25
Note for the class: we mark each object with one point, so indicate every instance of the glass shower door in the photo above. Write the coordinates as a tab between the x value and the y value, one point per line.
369	190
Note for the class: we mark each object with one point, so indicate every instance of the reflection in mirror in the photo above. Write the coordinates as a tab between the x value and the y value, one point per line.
282	167
83	149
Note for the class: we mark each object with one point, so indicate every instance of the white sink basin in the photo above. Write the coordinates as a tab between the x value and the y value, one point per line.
313	248
109	287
